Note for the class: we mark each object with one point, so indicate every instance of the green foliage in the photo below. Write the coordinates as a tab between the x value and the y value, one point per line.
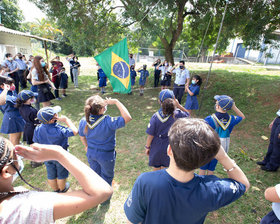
11	14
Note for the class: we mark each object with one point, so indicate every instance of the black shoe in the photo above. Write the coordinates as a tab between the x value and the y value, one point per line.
268	169
261	163
35	164
67	186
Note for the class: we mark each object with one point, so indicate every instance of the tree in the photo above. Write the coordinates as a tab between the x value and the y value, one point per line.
44	28
11	15
94	25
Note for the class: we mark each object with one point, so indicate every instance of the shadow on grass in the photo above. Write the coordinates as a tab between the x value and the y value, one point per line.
95	215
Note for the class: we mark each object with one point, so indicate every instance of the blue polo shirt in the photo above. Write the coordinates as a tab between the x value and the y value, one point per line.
101	133
52	134
181	76
157	197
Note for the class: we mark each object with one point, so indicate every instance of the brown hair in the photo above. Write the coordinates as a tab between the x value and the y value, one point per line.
93	106
168	106
41	70
193	142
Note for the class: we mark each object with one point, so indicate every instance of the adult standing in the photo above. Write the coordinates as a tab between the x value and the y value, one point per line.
13	68
57	66
157	63
131	60
76	71
70	59
21	70
182	76
40	77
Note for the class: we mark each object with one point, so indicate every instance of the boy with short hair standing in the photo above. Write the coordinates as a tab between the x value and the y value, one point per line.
177	194
51	133
223	124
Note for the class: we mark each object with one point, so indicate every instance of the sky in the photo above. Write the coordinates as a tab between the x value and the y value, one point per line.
30	11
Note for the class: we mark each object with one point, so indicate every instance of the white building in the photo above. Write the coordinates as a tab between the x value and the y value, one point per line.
239	50
13	41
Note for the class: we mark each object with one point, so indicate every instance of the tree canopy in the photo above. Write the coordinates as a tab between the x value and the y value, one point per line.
11	14
92	26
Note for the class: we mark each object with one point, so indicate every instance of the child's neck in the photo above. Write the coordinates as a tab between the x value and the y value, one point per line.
178	174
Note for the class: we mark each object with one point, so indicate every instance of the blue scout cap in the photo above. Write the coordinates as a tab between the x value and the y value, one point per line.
224	101
26	94
165	94
46	113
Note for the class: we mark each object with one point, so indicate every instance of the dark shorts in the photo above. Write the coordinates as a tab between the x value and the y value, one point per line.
210	166
55	170
270	218
166	81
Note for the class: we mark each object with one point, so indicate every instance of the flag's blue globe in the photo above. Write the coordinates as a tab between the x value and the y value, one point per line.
121	69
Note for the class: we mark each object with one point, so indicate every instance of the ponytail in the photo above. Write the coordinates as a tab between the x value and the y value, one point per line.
19	103
93	106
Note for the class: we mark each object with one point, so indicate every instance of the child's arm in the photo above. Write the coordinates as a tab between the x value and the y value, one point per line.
270	194
148	144
84	141
233	171
3	95
124	112
94	189
69	123
237	111
179	106
187	90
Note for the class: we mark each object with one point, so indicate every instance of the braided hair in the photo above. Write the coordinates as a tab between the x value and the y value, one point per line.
93	106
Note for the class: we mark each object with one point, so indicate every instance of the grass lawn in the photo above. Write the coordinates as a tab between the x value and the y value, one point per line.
255	91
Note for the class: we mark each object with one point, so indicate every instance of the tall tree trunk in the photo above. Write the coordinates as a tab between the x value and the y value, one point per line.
46	52
169	54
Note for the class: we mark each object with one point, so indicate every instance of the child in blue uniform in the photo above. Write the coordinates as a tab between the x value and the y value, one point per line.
29	114
177	195
223	124
98	134
51	133
144	74
12	123
193	91
133	75
102	80
63	81
161	121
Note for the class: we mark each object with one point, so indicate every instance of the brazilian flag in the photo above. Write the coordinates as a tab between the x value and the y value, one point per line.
115	63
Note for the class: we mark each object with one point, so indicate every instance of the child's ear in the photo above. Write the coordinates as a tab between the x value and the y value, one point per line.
6	172
169	151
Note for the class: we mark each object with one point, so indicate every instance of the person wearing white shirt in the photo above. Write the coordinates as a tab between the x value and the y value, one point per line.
182	78
131	60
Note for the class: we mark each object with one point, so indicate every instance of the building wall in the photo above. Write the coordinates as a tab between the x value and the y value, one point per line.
11	43
256	55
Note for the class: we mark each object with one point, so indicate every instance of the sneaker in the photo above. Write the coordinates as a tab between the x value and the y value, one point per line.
67	186
58	98
261	163
141	94
64	95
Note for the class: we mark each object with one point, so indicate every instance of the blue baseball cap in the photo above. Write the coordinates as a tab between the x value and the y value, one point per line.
46	113
165	94
224	101
26	94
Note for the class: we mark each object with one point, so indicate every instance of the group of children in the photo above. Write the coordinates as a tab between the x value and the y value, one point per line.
42	127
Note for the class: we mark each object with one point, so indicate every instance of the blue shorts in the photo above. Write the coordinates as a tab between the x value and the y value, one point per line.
55	170
210	166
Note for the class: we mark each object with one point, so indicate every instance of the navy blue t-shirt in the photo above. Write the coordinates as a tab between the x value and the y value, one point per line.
157	197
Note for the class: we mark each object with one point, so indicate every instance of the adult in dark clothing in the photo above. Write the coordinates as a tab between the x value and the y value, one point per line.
271	161
22	66
157	72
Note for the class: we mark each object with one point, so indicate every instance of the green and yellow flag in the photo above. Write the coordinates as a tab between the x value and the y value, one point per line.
114	62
